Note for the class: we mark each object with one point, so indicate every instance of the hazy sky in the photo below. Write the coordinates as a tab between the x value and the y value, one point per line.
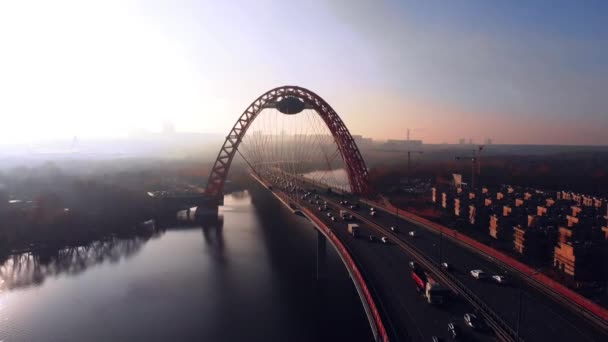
515	71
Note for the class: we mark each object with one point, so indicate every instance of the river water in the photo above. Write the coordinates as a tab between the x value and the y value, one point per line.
248	275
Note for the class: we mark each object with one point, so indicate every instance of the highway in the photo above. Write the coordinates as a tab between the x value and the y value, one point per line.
542	319
385	268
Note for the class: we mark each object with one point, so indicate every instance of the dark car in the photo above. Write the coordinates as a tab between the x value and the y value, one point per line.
372	238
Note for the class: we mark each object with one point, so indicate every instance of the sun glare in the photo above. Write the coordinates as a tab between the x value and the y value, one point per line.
72	68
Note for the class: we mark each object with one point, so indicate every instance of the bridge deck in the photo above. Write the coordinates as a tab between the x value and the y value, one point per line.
405	314
542	318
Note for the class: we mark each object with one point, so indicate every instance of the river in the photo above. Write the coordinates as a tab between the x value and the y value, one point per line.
247	276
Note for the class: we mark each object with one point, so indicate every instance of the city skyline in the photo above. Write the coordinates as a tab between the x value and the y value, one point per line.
533	75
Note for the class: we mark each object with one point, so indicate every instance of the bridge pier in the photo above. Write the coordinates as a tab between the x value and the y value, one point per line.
206	210
321	256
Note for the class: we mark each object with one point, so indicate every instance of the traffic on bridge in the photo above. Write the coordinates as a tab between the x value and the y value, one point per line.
415	284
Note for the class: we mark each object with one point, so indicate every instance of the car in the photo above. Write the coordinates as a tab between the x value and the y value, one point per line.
500	279
453	330
478	274
412	264
372	209
318	202
328	214
435	339
372	238
412	233
320	208
333	218
472	321
394	229
373	213
384	239
446	266
354	206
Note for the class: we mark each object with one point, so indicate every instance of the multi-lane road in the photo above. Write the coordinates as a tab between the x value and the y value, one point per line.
539	317
385	268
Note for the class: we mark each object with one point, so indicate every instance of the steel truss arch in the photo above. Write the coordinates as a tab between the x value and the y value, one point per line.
356	169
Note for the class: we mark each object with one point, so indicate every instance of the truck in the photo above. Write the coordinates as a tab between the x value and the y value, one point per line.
432	291
353	229
345	215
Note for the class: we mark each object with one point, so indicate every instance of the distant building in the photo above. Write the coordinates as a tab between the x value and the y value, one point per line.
361	141
461	141
403	145
563	230
488	141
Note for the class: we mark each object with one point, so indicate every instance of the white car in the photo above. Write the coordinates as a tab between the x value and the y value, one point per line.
446	266
394	229
384	239
373	213
333	218
478	274
472	321
412	233
499	279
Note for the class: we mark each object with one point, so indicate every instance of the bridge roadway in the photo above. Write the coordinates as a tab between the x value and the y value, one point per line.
385	268
542	319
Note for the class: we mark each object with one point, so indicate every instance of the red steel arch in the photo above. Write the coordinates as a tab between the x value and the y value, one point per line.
356	169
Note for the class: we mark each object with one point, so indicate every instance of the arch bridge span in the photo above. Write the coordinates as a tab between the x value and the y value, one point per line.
291	100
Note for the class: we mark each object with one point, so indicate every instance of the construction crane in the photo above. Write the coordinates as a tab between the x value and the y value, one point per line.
475	159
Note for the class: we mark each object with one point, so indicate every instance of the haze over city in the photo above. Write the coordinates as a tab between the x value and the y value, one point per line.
323	170
519	73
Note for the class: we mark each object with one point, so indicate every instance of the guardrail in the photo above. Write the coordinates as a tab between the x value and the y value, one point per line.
355	270
503	331
587	309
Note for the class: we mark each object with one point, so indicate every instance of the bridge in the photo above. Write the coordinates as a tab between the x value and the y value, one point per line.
294	133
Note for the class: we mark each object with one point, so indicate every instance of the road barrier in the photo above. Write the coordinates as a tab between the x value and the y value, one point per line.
503	331
595	313
350	263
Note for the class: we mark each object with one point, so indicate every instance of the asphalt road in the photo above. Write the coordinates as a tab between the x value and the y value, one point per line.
542	319
385	268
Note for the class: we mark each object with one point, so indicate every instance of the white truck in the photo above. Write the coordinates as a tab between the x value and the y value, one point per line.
432	290
353	229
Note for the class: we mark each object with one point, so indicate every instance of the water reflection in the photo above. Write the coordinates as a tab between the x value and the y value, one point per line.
33	267
245	275
21	270
212	227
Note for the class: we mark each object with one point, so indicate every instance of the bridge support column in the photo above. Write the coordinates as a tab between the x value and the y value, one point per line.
206	210
321	256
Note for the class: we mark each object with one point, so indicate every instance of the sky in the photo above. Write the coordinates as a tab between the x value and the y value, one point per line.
529	72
